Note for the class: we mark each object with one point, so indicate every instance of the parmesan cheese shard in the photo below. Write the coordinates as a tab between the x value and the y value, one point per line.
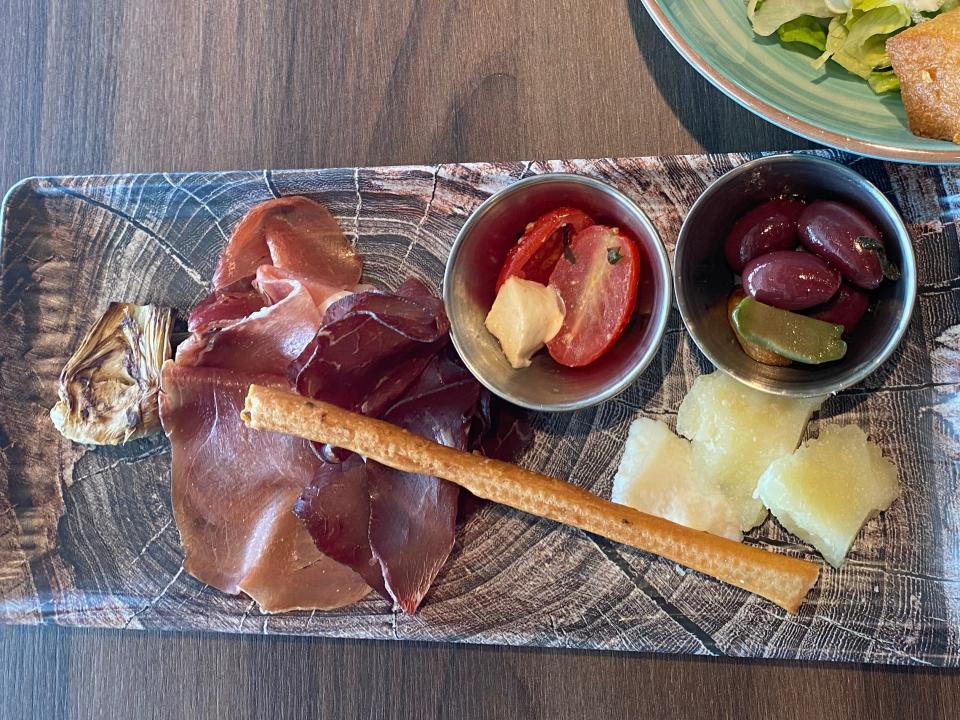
656	476
825	491
108	388
736	432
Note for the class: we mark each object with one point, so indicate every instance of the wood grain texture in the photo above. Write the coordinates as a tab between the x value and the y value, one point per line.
110	87
92	543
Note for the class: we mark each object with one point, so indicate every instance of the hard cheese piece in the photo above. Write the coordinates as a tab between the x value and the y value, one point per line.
656	476
737	432
826	490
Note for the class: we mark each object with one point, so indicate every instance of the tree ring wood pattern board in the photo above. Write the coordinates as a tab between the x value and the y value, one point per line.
87	537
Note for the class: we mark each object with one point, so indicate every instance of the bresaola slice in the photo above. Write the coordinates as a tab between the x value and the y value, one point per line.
397	529
295	234
233	489
413	517
371	348
335	510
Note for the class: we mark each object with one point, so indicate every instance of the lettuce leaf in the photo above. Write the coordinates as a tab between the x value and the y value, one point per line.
768	15
852	33
882	81
806	30
857	41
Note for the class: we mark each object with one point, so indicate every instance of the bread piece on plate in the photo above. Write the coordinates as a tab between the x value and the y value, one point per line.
926	58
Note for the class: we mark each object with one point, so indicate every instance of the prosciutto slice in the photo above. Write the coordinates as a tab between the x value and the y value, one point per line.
233	489
266	341
269	275
396	529
294	234
221	307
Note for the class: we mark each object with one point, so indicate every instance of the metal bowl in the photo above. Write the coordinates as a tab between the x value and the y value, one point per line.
703	280
475	261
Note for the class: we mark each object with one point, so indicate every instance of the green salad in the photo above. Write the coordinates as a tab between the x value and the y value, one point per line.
851	33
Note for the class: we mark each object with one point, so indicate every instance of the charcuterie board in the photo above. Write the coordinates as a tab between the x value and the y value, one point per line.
87	537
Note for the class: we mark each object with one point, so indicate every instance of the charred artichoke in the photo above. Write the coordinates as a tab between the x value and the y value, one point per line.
108	389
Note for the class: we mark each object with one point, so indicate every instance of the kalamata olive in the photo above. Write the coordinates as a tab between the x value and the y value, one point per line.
768	227
847	308
833	230
790	280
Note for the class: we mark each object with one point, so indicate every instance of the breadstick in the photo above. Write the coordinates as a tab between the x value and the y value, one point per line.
779	578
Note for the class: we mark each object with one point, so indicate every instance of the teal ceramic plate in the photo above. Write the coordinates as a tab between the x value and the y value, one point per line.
780	84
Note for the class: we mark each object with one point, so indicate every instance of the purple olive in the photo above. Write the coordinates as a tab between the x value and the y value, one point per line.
768	227
847	308
790	280
842	236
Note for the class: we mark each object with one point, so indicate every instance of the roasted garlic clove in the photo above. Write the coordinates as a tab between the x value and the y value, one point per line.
108	389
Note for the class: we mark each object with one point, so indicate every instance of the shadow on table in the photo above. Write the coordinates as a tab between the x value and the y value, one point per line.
719	124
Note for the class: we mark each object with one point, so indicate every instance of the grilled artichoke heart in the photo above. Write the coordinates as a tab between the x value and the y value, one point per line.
108	389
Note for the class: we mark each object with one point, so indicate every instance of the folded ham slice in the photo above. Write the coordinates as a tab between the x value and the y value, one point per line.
259	512
266	341
233	490
285	263
295	234
221	307
269	275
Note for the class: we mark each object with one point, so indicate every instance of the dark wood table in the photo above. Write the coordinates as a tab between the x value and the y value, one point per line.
136	85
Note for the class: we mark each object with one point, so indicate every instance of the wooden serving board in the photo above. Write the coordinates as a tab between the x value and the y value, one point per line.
87	537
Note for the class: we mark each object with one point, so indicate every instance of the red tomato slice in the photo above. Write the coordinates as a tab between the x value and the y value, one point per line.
536	253
599	291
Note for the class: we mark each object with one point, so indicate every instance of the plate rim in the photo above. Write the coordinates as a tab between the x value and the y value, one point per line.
768	112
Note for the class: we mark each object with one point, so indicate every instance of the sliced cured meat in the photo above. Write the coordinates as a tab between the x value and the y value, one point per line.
233	489
335	509
265	341
416	289
291	574
323	295
413	517
247	248
397	529
371	348
269	275
305	238
510	433
222	306
295	234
